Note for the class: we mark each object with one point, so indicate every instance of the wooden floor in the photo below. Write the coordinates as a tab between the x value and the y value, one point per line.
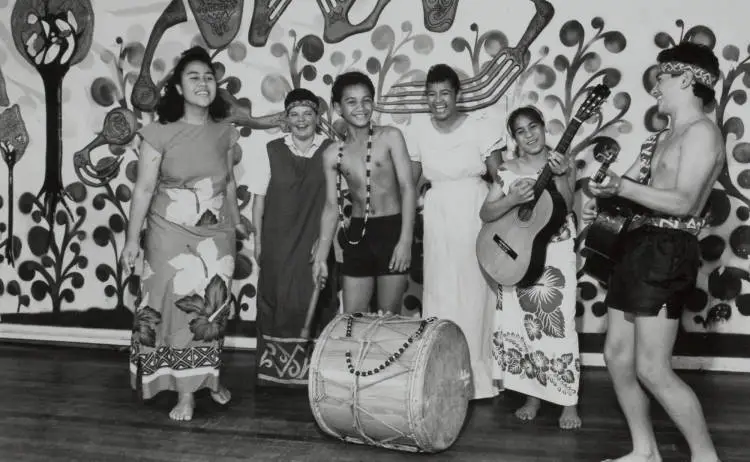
71	404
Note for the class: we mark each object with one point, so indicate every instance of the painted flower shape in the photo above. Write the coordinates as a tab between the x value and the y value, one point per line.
198	265
512	360
533	327
528	366
215	297
144	326
196	206
541	362
562	363
545	294
498	351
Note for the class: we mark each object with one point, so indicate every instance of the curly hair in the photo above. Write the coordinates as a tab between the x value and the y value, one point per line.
698	55
171	106
350	79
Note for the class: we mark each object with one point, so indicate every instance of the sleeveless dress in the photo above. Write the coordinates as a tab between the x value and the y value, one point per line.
294	202
535	340
454	287
189	253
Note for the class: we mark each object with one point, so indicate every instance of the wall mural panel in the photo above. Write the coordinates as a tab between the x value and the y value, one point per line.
79	78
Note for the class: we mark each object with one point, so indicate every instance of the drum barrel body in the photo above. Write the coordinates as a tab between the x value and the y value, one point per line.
417	402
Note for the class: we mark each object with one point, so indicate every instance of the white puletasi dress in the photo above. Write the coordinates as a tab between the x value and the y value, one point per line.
454	287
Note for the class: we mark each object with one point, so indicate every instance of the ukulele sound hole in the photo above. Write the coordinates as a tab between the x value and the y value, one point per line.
525	211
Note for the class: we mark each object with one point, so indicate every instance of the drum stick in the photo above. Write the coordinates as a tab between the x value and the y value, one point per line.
305	334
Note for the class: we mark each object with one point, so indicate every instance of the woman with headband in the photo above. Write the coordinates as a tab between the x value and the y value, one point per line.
289	187
536	344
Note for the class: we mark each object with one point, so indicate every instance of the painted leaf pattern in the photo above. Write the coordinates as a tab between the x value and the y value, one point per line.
216	295
196	206
144	326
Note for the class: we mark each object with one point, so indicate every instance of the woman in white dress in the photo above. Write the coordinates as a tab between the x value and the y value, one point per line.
451	150
536	344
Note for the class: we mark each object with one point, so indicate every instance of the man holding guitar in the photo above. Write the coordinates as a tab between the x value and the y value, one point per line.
657	269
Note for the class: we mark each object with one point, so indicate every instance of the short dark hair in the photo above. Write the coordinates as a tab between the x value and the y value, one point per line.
350	79
443	73
171	106
527	111
698	55
301	94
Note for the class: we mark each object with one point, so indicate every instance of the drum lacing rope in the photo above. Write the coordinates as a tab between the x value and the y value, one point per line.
365	345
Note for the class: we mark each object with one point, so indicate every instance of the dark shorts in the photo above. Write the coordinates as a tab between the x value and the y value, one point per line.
371	256
659	267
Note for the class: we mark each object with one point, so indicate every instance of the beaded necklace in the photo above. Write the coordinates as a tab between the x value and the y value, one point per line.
368	172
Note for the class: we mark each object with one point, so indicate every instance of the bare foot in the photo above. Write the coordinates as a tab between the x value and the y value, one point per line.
222	395
569	418
633	457
528	411
184	408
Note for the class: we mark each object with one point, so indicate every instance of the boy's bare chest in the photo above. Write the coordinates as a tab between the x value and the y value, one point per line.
354	164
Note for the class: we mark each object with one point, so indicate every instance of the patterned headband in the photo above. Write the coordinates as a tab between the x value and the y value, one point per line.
302	102
701	75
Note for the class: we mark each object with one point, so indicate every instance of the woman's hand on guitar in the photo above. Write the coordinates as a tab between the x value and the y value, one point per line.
607	188
521	190
558	164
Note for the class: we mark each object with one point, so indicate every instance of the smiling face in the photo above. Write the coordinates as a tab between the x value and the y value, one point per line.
356	105
667	90
198	84
529	135
442	98
302	121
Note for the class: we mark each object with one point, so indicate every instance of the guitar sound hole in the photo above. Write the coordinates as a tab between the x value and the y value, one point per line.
525	211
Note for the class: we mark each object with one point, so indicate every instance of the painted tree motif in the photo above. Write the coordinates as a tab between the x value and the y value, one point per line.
52	36
56	274
572	35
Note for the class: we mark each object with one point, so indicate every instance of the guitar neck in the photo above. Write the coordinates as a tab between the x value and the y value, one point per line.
601	173
562	148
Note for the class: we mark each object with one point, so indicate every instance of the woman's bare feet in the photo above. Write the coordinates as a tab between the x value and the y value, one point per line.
184	408
221	396
634	457
569	419
529	410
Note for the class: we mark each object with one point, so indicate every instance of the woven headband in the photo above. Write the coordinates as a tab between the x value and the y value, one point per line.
701	75
302	102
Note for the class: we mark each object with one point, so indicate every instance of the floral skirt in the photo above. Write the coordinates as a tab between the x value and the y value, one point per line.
182	311
535	340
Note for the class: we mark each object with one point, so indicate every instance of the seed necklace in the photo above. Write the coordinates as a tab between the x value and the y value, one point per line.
368	173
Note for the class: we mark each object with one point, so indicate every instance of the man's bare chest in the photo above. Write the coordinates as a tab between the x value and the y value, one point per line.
665	163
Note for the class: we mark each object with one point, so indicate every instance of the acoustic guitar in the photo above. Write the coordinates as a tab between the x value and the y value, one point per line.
512	250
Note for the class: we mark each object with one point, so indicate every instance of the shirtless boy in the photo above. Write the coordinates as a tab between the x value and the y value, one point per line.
377	243
673	178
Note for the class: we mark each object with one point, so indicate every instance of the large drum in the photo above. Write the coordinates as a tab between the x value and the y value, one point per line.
391	381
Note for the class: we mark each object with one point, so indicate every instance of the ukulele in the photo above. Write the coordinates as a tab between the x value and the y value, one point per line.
601	245
513	249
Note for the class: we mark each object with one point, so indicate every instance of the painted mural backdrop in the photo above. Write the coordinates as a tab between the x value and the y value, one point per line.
78	78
